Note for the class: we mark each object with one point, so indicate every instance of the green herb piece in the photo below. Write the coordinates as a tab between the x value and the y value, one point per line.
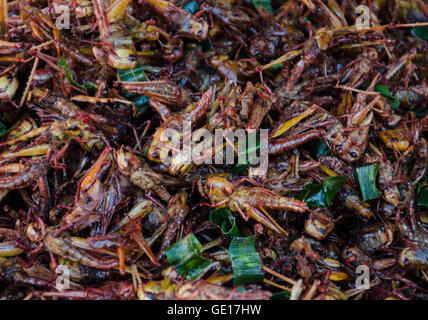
239	169
421	32
191	6
284	295
130	75
207	45
185	256
420	112
246	262
134	74
2	128
225	219
421	184
331	187
367	179
423	197
277	66
384	91
318	147
313	196
395	103
321	195
69	75
406	292
263	3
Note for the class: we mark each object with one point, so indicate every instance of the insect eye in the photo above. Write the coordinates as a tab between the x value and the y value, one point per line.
406	262
353	154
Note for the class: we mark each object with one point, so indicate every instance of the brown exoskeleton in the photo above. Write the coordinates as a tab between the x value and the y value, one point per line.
252	200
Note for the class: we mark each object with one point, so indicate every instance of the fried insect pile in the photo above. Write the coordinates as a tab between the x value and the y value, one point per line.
89	209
